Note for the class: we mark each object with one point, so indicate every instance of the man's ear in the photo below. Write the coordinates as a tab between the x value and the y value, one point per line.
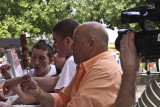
92	43
68	41
51	60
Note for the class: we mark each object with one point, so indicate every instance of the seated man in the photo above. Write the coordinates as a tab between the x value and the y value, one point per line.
41	61
58	62
62	36
97	80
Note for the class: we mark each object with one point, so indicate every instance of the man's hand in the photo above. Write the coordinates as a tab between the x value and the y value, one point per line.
128	54
29	86
130	61
9	84
5	71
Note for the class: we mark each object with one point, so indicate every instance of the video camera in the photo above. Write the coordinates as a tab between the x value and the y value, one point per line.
147	42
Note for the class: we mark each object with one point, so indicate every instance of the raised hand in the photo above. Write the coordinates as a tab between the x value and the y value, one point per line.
129	57
5	71
130	61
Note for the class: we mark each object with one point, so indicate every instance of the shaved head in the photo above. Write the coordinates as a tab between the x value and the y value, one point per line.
95	30
90	39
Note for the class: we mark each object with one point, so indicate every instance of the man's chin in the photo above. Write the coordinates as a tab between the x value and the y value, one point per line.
36	70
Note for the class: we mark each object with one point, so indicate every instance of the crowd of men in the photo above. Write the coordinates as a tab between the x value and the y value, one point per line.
89	76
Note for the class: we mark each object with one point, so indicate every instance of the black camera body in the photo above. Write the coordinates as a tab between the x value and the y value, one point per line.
147	42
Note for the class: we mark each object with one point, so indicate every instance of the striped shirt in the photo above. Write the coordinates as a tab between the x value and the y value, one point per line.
151	96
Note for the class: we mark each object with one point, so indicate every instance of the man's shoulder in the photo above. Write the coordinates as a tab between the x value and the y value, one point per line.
70	61
107	61
53	67
69	66
108	64
151	95
71	58
52	70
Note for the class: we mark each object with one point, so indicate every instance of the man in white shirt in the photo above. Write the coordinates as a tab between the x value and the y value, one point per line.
68	71
63	38
51	72
42	53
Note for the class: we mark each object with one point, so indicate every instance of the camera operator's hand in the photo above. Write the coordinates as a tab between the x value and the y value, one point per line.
130	64
129	57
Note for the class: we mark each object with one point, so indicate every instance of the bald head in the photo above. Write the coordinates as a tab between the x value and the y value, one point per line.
95	30
90	39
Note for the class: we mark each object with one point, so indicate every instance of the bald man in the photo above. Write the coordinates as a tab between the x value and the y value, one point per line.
97	78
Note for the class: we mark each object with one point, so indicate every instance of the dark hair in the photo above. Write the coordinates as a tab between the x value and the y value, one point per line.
44	45
65	28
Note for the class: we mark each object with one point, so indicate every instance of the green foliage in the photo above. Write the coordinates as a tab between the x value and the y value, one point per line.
37	17
104	11
33	16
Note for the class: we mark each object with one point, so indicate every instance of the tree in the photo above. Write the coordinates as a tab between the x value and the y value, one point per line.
104	11
33	16
37	17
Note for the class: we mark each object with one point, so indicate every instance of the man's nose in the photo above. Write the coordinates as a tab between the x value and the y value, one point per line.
37	61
